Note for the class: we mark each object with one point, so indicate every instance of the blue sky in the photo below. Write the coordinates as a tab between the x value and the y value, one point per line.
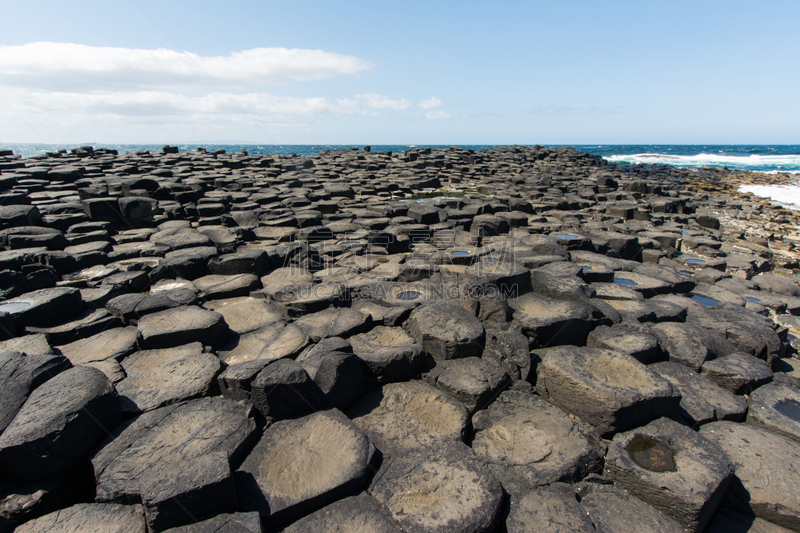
421	72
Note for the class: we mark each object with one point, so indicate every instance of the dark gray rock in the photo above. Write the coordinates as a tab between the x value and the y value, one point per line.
114	343
617	512
388	354
549	510
333	322
470	380
220	286
181	325
337	374
467	497
45	307
284	390
224	523
672	468
301	465
765	466
609	390
59	425
356	513
106	517
187	479
731	521
776	407
690	345
738	372
637	344
20	374
528	442
702	401
509	351
446	331
551	322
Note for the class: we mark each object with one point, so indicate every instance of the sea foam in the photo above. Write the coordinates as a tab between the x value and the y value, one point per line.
772	163
786	195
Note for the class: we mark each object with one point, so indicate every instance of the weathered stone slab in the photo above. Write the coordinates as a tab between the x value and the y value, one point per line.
105	517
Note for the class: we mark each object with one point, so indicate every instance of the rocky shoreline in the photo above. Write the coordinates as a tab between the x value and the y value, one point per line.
507	340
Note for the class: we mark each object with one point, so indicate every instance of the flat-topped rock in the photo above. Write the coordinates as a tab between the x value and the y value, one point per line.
181	325
106	517
609	390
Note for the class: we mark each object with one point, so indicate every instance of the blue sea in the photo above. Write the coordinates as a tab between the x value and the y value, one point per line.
761	158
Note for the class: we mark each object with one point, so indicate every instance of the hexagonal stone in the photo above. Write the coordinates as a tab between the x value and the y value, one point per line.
551	322
176	461
333	322
266	344
637	344
528	442
182	325
156	378
217	286
45	307
766	469
59	425
649	310
609	390
246	314
549	510
776	407
471	380
689	344
106	517
738	372
409	415
301	465
113	343
446	330
672	468
356	513
284	390
388	354
702	400
338	375
618	512
442	489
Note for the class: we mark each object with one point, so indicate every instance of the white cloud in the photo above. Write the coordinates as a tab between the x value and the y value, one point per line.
378	101
438	115
430	103
46	65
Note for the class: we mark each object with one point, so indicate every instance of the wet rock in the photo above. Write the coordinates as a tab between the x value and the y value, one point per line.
106	517
444	489
301	465
408	416
702	400
672	468
776	407
187	480
609	390
45	307
58	426
181	325
765	466
528	442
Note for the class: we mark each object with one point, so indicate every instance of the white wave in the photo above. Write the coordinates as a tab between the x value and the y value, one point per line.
786	195
776	162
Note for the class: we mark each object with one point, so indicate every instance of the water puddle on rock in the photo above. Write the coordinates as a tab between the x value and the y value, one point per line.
789	409
751	299
408	296
695	261
623	281
566	236
651	454
14	307
705	300
459	253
